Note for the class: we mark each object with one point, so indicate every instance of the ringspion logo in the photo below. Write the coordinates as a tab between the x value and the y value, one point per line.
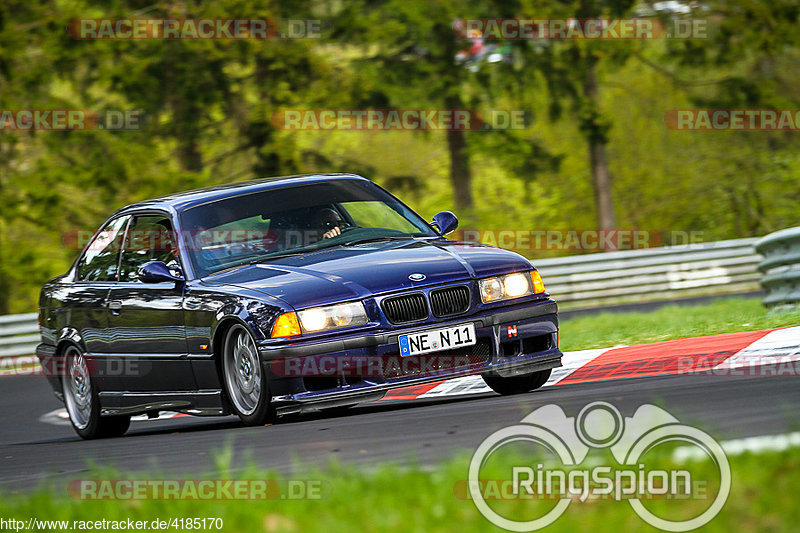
600	425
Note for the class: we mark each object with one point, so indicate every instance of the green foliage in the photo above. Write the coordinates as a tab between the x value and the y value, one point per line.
209	106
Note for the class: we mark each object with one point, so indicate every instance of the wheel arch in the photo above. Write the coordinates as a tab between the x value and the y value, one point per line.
224	324
221	329
69	337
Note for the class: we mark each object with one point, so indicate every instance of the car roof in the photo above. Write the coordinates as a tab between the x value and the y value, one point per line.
181	201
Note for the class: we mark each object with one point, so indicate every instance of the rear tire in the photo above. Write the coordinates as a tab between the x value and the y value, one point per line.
83	403
517	384
243	377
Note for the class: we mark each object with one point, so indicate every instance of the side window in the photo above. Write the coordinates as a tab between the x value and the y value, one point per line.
99	261
150	238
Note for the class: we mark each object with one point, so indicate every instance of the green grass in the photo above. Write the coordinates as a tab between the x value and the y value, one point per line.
763	498
671	322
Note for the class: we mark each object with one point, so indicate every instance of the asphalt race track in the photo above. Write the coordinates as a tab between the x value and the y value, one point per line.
423	431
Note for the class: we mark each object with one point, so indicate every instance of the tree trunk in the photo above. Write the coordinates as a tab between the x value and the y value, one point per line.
596	136
460	171
190	157
5	285
601	180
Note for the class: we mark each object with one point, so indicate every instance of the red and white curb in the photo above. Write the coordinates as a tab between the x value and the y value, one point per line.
475	385
758	353
762	353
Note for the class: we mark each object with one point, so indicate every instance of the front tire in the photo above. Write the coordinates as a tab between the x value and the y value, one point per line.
517	384
243	375
82	401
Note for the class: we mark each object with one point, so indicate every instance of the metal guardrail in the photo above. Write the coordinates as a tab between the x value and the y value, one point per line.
781	268
19	334
592	280
649	274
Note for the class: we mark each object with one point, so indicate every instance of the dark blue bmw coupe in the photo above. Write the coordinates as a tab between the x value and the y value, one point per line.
279	295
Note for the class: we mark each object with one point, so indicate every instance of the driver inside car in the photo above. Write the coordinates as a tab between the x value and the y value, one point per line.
329	222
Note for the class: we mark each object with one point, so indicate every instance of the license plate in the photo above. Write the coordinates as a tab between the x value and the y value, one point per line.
437	340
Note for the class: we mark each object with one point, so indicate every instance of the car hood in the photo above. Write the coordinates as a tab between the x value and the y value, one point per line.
359	271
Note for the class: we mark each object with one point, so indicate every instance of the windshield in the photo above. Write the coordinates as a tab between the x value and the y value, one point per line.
269	224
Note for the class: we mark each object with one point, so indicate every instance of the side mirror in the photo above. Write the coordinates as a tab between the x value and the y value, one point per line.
156	272
444	222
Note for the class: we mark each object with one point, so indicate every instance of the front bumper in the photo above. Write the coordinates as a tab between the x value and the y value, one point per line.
510	342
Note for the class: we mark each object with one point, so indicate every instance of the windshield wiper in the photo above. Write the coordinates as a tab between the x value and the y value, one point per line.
378	239
251	262
278	256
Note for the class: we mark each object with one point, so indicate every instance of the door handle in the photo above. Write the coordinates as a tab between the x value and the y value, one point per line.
114	306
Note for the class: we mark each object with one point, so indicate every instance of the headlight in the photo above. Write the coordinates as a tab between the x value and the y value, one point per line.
516	285
510	286
491	290
332	317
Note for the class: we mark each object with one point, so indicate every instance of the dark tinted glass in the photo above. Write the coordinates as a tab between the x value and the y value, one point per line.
257	226
99	261
149	238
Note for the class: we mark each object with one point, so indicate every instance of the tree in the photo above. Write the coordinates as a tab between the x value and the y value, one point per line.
747	60
570	69
408	51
